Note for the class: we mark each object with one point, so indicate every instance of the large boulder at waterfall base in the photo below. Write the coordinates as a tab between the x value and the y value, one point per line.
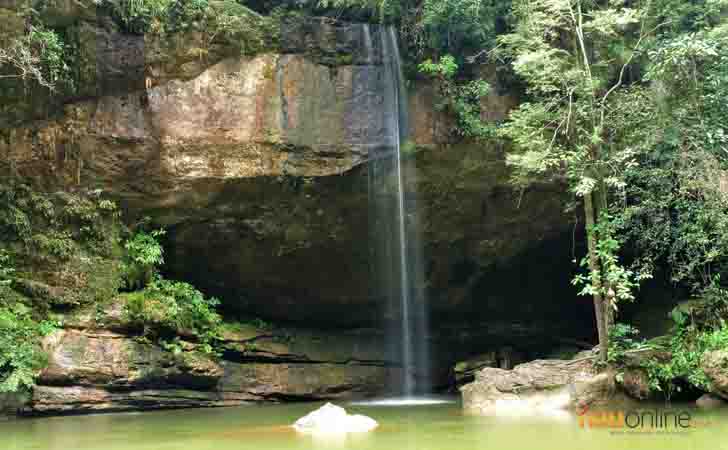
334	419
537	387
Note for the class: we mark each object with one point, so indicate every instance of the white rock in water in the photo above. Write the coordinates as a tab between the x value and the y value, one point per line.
334	419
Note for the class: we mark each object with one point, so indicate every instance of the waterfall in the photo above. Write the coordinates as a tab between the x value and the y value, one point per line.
395	228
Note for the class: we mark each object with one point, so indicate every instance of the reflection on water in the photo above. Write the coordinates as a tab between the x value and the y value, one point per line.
420	427
406	401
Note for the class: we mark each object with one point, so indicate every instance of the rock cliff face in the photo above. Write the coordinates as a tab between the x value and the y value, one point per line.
257	166
108	368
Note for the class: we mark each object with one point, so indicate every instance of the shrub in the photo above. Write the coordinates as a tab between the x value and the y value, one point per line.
41	56
62	240
226	22
173	307
144	254
140	16
623	338
55	225
460	98
20	354
687	347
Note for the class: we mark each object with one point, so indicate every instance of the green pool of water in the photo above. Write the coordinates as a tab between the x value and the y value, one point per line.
429	427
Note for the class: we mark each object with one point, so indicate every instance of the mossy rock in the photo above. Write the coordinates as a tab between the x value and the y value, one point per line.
66	248
344	60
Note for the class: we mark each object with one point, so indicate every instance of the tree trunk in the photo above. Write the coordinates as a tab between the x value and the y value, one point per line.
608	301
600	312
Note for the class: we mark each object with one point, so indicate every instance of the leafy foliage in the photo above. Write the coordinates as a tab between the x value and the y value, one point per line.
64	240
687	347
434	27
165	307
462	99
140	16
226	22
461	25
40	55
573	55
20	354
680	16
230	22
623	338
54	222
676	198
143	254
620	280
384	10
706	311
174	307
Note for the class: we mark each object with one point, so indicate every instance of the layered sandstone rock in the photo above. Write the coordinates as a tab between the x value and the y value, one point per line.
103	370
537	387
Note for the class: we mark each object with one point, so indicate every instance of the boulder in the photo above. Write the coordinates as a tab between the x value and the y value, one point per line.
634	379
715	366
334	419
537	387
710	401
465	370
636	383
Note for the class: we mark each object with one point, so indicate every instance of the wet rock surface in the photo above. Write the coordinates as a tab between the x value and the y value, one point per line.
537	387
103	370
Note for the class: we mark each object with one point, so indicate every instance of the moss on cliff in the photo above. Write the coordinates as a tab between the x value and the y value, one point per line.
65	247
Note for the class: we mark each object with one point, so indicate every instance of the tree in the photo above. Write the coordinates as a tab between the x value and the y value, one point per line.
577	58
37	55
676	207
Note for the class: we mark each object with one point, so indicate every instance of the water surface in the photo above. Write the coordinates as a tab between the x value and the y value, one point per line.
265	427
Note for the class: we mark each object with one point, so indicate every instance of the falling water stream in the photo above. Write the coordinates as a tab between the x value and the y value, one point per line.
396	224
390	51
